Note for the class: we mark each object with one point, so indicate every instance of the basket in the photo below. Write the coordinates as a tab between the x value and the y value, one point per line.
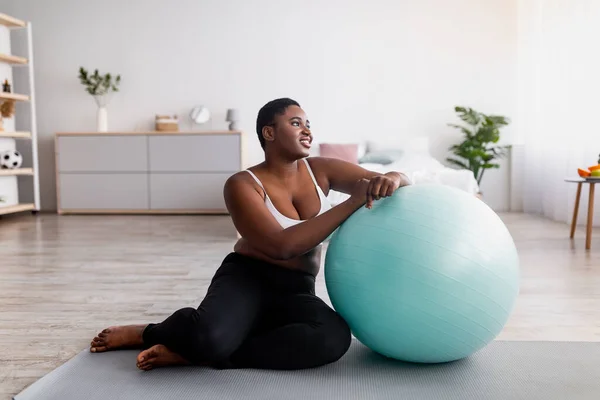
166	123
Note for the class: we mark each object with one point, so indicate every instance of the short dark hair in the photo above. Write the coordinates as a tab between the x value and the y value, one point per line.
267	114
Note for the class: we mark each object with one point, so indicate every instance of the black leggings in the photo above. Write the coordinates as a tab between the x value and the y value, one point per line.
255	315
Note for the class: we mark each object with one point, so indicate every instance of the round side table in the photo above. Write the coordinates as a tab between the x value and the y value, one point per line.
590	211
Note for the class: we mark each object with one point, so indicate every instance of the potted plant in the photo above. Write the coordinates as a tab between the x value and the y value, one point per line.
101	87
478	151
7	110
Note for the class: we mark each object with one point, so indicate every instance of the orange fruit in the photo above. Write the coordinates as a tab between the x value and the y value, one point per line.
583	172
594	167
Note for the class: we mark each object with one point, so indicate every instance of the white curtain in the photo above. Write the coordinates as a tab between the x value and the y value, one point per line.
559	103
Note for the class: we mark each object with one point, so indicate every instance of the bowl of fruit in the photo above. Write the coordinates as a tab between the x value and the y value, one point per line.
590	173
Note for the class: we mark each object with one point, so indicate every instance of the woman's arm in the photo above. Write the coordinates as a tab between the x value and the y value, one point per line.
340	176
257	225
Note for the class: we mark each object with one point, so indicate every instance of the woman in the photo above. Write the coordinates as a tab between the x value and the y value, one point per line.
260	310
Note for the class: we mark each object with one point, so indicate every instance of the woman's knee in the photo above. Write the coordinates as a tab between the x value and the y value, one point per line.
216	345
208	341
335	337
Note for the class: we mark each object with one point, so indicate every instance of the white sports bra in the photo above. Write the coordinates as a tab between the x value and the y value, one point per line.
284	221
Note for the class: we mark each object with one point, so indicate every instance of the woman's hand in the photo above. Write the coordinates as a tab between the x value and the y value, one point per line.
358	195
367	191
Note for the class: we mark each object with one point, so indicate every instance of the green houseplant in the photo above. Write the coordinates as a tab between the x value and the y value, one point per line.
100	87
97	84
478	150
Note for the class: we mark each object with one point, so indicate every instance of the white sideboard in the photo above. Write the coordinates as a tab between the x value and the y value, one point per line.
145	172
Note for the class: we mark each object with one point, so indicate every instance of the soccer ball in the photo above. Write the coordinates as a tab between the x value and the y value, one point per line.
11	159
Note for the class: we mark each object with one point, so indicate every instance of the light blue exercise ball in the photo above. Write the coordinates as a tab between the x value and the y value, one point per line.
428	275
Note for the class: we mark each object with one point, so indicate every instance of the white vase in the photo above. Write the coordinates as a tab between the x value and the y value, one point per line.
102	120
102	114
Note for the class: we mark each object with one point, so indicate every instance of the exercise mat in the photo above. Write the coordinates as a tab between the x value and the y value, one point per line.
503	370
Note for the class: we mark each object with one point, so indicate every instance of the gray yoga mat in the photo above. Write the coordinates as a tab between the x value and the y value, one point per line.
503	370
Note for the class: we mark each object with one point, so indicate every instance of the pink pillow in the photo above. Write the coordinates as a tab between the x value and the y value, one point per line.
343	151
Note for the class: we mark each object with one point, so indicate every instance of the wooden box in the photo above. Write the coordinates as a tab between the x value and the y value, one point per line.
166	123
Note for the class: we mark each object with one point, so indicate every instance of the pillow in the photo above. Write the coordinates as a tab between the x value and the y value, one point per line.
381	157
342	151
314	150
417	162
410	145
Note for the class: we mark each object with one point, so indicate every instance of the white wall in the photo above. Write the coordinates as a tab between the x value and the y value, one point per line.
558	83
360	69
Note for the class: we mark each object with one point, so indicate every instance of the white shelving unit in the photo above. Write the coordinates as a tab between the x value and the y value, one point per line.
11	179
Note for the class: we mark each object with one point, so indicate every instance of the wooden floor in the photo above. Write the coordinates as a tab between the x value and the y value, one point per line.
62	279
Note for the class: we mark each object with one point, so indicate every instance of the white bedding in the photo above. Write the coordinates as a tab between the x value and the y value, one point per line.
421	170
414	160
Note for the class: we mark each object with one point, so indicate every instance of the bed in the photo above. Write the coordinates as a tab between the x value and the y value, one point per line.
411	157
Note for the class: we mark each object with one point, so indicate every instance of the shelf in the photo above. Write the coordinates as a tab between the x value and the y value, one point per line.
7	58
17	171
23	135
14	96
11	22
16	208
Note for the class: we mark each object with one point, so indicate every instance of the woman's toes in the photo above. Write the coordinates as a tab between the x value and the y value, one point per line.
98	349
146	355
145	367
145	358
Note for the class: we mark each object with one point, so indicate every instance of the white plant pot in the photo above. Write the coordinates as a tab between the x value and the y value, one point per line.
102	114
102	120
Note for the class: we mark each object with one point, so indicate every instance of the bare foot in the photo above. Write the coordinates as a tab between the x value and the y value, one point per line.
159	356
118	337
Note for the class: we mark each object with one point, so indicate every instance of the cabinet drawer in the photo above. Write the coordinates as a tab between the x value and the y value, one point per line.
103	191
102	153
187	191
195	153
